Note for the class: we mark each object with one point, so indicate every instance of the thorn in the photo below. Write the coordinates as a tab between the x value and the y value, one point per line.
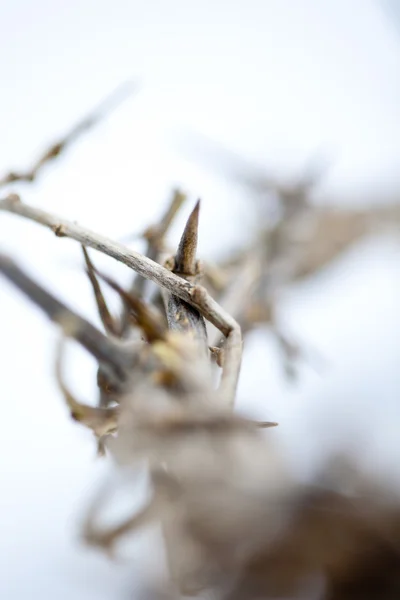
266	424
185	260
102	421
147	319
109	323
218	355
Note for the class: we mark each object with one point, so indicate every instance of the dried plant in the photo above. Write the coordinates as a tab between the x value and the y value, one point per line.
234	519
295	238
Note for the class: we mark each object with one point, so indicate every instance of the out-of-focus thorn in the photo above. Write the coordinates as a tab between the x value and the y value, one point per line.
185	259
146	318
225	162
155	233
217	355
266	424
316	169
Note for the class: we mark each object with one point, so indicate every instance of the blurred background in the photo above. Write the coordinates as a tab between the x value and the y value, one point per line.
275	82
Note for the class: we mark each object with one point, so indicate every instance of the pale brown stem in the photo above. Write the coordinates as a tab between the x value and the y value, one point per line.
194	295
110	324
155	236
102	348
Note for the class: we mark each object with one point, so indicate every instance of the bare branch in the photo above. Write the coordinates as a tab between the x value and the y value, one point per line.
155	508
89	122
102	421
106	318
146	318
194	295
106	538
156	233
97	344
155	237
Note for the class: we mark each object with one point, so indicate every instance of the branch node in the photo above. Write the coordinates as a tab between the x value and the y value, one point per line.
13	199
59	230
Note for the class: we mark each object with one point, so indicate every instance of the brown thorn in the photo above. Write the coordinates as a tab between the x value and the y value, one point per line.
109	323
217	354
185	259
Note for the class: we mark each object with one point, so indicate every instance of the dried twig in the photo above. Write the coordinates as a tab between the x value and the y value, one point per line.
234	520
109	323
102	348
155	238
107	537
193	294
145	316
58	148
102	421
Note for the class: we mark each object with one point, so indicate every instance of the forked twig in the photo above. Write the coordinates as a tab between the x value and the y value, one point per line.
106	537
155	237
193	294
108	321
146	317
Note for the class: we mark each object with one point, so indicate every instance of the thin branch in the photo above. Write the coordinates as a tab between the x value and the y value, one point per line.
156	508
102	421
109	323
107	537
97	344
155	237
238	294
194	295
186	319
145	316
155	234
89	122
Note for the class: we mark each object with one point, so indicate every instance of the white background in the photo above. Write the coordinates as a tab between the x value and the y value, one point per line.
275	80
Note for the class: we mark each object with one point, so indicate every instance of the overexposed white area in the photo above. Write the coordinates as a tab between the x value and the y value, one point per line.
273	80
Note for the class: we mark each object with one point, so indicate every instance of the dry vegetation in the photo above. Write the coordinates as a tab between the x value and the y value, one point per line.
233	518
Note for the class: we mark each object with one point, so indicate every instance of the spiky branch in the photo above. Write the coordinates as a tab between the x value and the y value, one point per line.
195	295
